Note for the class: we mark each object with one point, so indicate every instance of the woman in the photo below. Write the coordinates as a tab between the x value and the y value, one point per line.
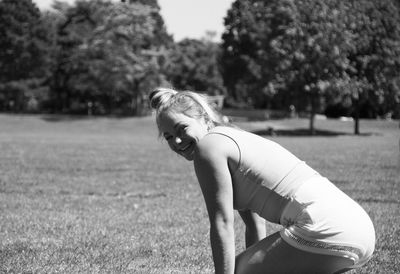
324	231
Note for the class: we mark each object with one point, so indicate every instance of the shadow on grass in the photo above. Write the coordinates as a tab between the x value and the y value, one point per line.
64	117
78	117
340	182
378	200
299	132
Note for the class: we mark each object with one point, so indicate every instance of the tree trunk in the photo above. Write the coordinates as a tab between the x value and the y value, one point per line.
312	114
312	119
357	119
356	104
356	126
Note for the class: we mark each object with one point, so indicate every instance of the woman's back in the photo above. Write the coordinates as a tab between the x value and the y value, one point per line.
266	174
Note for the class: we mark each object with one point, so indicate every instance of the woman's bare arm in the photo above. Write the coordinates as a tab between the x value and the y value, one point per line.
211	166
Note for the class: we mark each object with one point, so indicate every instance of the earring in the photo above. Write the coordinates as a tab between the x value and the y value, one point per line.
210	125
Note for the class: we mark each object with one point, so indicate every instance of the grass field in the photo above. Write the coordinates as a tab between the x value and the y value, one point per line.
104	195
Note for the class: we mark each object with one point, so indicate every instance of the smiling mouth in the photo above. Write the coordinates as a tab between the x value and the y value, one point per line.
185	148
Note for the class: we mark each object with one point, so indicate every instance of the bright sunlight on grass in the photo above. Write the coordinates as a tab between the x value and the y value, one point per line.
105	195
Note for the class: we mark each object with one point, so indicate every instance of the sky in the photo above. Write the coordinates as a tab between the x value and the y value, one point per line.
185	18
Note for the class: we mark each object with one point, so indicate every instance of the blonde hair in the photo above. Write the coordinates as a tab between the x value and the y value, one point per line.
189	103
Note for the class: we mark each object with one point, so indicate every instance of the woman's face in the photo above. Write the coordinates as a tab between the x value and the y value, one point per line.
182	132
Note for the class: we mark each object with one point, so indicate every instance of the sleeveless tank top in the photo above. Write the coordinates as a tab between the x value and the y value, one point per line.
267	175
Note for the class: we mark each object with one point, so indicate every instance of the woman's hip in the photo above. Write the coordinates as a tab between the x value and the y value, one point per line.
322	219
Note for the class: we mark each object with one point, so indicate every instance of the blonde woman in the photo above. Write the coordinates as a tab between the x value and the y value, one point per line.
323	229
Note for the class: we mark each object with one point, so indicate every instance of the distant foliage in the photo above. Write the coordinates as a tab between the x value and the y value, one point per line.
193	65
369	85
108	55
23	53
292	47
281	52
102	57
23	40
374	59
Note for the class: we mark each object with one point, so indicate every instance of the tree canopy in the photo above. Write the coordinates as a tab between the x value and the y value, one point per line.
23	54
109	54
193	65
297	50
23	40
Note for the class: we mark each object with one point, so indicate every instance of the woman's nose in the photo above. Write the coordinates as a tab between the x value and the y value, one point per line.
178	140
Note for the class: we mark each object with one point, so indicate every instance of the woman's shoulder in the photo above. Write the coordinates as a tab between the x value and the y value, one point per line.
217	144
212	142
225	129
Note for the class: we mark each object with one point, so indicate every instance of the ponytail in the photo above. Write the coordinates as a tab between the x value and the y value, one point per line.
160	97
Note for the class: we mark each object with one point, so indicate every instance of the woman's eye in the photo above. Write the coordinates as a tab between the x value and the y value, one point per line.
182	129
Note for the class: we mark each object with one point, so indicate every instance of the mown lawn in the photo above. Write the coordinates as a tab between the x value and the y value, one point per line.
104	195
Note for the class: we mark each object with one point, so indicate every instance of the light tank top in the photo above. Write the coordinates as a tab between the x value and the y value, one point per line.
267	175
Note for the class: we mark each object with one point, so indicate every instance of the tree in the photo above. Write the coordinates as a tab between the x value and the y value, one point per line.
295	47
108	56
23	59
375	56
315	50
160	35
250	26
193	65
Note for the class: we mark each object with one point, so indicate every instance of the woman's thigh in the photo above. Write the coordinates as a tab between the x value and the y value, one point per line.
274	255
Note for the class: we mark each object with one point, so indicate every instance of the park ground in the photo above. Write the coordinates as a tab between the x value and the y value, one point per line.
105	195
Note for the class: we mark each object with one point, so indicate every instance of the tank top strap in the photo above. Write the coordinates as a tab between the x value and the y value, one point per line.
236	143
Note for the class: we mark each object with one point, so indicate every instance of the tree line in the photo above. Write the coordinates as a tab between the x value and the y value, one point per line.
102	57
